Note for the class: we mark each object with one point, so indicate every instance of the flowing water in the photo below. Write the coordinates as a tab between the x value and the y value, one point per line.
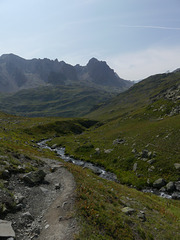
96	169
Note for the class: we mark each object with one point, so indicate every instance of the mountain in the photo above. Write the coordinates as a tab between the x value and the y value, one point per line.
17	73
98	72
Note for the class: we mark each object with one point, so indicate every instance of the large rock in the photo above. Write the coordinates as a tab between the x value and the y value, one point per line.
6	200
159	183
135	167
177	184
177	166
119	141
93	168
170	187
34	178
144	154
128	210
6	174
6	230
141	215
108	150
176	195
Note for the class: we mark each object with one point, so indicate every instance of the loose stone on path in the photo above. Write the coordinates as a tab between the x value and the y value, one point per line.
6	230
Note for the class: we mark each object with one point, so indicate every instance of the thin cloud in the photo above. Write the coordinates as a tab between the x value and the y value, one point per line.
141	64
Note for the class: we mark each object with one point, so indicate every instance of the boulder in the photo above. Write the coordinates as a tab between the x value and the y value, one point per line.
176	195
177	185
93	168
55	167
119	141
163	189
108	150
177	166
151	169
6	174
150	154
54	146
170	187
142	216
97	150
128	210
57	186
144	153
134	150
18	198
135	167
6	230
44	190
27	216
159	183
6	200
21	169
151	161
34	178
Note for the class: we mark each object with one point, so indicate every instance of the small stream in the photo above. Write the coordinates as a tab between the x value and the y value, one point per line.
96	169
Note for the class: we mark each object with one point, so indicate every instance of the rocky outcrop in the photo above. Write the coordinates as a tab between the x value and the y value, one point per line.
34	178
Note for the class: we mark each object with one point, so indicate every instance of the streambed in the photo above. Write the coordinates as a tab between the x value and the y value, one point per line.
96	169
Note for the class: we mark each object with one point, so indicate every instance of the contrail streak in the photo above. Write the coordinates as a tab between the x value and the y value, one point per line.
149	26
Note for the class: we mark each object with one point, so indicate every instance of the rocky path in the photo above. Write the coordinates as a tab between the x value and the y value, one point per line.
58	221
46	211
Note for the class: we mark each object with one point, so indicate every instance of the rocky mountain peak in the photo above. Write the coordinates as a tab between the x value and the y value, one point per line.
17	73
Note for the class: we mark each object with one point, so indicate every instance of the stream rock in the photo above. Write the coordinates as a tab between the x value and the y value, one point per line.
170	187
159	183
177	185
176	195
93	168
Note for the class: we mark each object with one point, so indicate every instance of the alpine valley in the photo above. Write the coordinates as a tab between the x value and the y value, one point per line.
43	87
63	127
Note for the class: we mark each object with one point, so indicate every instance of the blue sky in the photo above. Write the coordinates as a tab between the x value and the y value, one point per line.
137	38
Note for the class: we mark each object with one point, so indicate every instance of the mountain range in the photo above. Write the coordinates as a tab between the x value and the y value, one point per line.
17	73
43	87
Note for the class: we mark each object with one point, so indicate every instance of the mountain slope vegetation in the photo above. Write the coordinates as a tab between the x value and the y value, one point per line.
135	136
99	202
65	101
144	119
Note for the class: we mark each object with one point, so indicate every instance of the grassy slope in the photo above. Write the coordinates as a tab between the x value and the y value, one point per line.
66	101
99	202
138	97
139	117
